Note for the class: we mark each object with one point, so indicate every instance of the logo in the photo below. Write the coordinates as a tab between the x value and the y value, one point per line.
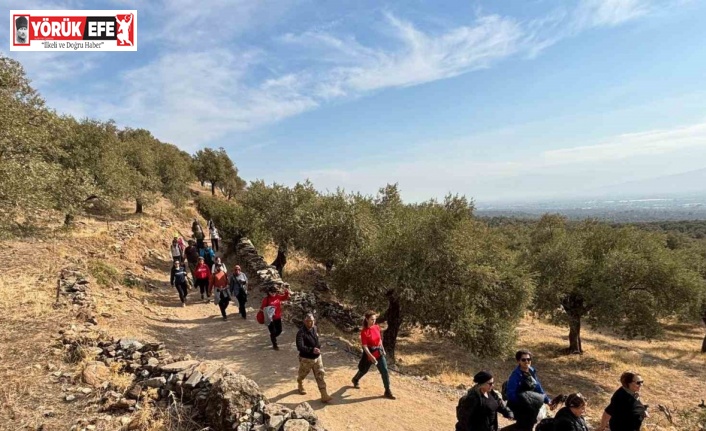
73	30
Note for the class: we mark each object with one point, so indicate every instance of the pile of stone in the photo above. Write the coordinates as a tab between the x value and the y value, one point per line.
215	396
264	276
73	290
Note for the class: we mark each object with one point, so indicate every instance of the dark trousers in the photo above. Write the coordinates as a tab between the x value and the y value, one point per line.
223	304
202	284
181	288
214	244
241	307
517	427
364	367
275	328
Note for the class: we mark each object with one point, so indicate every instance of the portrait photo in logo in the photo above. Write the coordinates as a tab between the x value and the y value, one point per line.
22	30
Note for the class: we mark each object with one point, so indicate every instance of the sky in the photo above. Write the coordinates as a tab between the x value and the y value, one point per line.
498	100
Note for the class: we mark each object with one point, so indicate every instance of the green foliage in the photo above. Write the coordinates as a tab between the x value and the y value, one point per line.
217	168
234	221
105	274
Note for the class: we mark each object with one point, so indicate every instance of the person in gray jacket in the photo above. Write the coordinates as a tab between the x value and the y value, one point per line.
238	287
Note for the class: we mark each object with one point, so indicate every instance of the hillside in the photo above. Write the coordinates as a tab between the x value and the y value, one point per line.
130	251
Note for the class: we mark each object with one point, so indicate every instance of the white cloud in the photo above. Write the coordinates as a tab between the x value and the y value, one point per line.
653	142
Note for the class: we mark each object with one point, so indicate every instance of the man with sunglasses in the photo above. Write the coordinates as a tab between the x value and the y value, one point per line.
524	375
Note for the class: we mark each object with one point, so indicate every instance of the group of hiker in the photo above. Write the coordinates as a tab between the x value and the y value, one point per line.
524	400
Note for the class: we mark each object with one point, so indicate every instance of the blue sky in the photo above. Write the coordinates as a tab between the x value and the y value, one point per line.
497	100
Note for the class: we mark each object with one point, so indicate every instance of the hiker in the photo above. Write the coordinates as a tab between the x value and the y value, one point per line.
272	308
192	256
208	255
238	288
478	409
218	261
570	417
625	411
525	395
215	236
219	287
198	234
176	251
178	279
210	224
373	353
202	277
309	348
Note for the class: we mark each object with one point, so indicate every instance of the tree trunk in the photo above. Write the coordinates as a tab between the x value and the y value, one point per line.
280	260
703	345
68	219
394	321
138	206
329	267
575	334
213	188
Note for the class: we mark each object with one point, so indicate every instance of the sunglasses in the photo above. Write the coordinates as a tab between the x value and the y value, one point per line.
490	383
526	360
639	382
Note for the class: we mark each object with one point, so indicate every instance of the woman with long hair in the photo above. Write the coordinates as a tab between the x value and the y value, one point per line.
373	353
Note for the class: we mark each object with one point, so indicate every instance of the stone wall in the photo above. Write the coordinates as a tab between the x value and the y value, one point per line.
263	276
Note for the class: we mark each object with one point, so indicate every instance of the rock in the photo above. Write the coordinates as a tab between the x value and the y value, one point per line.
106	315
86	391
155	382
130	344
296	425
95	373
245	426
152	363
304	411
70	398
134	391
193	379
227	399
175	367
275	422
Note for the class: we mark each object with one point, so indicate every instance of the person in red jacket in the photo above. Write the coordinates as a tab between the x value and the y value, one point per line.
202	277
219	285
373	353
272	307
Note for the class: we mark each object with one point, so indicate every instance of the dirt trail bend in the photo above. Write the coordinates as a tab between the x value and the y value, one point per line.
245	346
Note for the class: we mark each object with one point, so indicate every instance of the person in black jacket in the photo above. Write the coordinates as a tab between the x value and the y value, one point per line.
625	411
309	349
178	280
570	417
478	409
238	287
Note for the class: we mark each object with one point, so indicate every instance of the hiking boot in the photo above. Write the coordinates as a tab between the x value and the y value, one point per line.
225	318
275	347
202	296
388	395
325	397
301	389
183	304
355	383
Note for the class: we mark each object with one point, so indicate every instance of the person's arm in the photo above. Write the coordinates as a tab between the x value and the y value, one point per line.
604	422
503	408
464	412
303	348
539	389
171	277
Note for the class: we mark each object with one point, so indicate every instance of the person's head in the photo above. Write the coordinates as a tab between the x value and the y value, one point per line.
370	317
191	242
177	264
218	259
631	381
309	320
175	240
484	380
272	291
201	260
21	25
524	359
576	403
237	269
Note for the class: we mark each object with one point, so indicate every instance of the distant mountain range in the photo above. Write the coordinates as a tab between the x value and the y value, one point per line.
686	183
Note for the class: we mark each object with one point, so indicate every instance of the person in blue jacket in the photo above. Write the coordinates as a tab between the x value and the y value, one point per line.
525	394
208	255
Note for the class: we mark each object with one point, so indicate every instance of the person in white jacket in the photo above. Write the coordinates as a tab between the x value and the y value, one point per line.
218	262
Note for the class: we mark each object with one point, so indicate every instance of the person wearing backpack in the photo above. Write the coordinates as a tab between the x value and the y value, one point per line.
238	289
178	279
478	409
219	287
274	324
570	417
525	395
208	255
176	251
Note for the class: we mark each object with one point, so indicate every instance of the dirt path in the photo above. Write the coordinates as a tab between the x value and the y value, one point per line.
245	346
